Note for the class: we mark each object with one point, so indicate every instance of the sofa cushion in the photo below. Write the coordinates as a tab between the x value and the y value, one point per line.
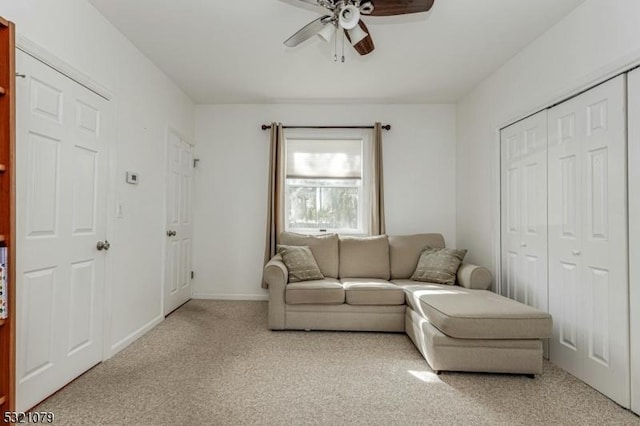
323	247
404	252
321	292
300	263
364	257
410	288
477	314
438	265
365	291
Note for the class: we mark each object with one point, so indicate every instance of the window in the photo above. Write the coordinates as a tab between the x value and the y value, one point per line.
326	184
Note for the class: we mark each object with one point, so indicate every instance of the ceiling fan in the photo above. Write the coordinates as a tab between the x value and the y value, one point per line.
347	16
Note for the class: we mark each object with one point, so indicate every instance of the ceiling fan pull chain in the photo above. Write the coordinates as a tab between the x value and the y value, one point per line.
335	48
343	47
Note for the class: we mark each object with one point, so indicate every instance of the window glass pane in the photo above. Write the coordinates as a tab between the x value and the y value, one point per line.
338	208
303	211
323	204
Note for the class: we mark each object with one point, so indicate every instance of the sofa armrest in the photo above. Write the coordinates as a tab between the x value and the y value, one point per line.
276	275
474	277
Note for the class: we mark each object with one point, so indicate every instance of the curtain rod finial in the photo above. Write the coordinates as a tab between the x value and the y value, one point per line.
265	127
387	127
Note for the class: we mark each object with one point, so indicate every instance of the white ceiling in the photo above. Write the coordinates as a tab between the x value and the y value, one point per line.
231	51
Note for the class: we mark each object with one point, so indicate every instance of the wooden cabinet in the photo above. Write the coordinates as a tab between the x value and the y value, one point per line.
7	211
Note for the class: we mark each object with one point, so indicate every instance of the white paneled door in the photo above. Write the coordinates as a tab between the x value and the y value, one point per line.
634	234
588	248
524	211
61	149
179	232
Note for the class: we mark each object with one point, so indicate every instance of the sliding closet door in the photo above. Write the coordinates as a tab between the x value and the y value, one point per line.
524	211
588	275
634	233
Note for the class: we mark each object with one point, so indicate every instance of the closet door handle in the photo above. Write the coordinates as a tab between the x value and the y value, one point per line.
576	252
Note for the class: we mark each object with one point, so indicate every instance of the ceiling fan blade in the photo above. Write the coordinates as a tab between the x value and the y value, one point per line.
307	31
400	7
312	2
364	46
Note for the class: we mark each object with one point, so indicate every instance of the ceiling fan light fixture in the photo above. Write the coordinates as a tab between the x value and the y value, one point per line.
349	17
345	16
356	35
327	32
366	8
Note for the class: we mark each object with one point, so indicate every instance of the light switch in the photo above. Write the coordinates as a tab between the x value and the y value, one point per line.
119	210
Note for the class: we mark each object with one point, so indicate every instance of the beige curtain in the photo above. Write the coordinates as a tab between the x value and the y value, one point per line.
377	222
275	214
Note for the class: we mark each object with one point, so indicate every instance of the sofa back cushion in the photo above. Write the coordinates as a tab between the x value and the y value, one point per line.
364	257
323	247
405	250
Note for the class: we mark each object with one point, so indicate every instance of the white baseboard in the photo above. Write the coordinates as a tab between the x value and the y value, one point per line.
117	347
227	296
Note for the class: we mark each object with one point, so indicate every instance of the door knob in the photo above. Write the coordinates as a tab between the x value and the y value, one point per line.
576	252
171	233
103	245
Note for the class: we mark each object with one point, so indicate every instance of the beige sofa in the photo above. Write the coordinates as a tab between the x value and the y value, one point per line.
367	287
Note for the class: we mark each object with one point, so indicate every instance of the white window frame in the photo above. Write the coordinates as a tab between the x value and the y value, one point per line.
364	207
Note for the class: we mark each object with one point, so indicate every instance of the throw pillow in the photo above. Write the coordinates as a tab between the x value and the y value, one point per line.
324	248
439	265
300	262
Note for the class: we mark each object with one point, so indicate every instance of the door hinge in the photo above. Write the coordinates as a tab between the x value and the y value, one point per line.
193	274
195	162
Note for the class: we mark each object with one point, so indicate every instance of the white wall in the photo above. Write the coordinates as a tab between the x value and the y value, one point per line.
231	186
146	102
596	38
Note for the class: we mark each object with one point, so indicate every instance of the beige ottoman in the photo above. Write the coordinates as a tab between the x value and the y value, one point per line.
458	329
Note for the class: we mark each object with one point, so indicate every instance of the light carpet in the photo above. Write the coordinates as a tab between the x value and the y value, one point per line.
215	362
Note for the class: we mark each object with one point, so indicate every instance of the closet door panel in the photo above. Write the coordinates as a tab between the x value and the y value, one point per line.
605	242
588	280
634	233
534	212
565	218
524	211
511	146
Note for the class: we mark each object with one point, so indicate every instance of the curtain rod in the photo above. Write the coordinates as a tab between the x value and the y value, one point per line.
385	127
